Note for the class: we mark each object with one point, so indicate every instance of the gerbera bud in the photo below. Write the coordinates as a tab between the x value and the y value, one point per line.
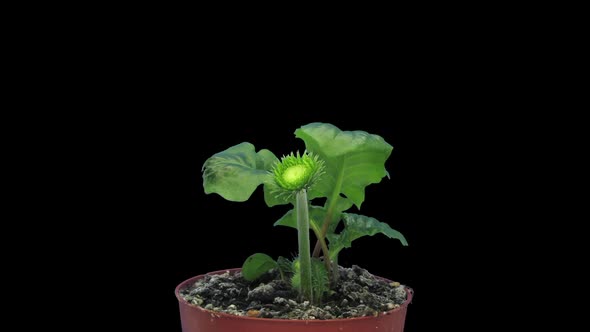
297	172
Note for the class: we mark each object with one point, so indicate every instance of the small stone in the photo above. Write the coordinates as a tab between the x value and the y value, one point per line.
214	279
280	300
350	274
400	294
209	306
394	284
391	306
291	302
253	313
262	293
366	280
265	314
231	307
344	302
305	304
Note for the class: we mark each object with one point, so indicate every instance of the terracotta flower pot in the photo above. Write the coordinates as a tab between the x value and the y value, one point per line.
197	319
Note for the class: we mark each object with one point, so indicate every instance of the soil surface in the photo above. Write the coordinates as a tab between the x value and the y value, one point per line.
358	294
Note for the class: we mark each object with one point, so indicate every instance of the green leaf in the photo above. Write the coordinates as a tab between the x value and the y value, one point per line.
257	265
285	264
296	278
265	159
285	267
316	217
288	219
356	226
271	199
342	204
236	172
354	159
319	278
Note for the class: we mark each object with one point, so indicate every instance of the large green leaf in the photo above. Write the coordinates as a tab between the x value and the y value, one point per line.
236	172
356	226
257	265
354	159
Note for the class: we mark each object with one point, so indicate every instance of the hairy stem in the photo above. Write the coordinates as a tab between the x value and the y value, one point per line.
335	276
304	251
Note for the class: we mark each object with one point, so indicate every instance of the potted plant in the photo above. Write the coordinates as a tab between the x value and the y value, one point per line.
310	291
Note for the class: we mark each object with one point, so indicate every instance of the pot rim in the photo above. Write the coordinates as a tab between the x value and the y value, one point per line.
410	294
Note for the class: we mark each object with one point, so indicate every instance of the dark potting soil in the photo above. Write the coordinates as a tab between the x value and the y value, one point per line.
358	294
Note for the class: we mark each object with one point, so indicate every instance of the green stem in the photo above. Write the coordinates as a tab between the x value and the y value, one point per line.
330	213
325	225
282	275
304	250
322	240
335	273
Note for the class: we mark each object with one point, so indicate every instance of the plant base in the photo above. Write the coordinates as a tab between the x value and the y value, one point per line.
197	319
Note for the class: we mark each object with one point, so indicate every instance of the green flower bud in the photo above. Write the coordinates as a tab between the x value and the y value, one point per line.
297	172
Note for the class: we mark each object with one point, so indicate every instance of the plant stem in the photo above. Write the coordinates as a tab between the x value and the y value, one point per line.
322	241
330	213
322	234
335	276
304	250
282	275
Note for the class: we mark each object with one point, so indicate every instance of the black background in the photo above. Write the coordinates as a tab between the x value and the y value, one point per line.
147	107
